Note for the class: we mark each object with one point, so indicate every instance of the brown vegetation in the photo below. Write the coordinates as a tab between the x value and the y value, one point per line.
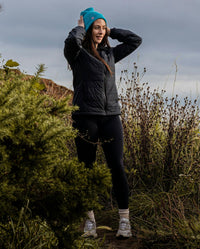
51	88
56	91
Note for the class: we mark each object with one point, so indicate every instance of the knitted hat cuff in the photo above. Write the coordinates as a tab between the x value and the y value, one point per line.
89	16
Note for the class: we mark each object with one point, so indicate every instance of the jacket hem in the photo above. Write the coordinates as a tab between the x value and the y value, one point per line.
96	113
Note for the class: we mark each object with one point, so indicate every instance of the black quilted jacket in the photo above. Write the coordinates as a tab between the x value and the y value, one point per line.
95	90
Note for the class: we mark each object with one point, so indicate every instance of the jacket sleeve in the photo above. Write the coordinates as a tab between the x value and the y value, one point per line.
73	44
129	42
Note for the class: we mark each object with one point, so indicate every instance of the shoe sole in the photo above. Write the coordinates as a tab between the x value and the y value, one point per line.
123	235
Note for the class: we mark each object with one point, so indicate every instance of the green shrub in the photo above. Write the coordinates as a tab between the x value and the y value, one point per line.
27	232
36	163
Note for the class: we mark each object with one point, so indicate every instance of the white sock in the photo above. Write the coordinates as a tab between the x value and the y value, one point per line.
124	213
90	215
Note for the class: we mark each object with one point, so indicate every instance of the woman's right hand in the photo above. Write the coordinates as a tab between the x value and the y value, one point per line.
108	31
81	22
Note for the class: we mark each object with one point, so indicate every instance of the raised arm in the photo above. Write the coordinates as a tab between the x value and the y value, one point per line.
129	42
73	42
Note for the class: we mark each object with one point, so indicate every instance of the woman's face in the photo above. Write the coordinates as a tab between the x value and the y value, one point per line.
98	31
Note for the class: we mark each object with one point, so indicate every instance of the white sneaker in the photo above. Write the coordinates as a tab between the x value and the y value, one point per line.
90	229
124	230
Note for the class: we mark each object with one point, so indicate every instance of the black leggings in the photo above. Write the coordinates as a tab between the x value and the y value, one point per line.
107	129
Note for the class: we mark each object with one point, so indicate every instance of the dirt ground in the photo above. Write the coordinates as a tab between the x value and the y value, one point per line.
110	219
111	242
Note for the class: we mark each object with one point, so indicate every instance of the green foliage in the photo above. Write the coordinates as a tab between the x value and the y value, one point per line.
36	165
11	63
87	243
36	79
27	233
165	220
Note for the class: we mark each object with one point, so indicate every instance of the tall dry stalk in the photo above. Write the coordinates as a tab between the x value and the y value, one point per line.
160	134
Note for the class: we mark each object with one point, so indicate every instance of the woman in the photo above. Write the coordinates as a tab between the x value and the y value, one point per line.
92	61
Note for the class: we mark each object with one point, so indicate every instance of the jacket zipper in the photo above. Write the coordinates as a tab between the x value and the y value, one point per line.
105	95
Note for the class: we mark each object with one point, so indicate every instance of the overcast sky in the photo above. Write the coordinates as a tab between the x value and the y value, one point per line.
33	32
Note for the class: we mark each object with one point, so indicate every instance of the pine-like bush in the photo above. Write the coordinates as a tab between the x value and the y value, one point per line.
36	164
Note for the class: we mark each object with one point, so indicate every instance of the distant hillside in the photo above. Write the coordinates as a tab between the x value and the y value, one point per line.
51	88
54	89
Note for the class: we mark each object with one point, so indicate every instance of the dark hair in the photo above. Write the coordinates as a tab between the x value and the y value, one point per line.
88	44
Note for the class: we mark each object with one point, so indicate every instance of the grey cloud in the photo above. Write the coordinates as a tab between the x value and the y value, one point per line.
169	30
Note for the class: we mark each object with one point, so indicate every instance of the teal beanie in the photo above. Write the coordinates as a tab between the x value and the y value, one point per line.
89	16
